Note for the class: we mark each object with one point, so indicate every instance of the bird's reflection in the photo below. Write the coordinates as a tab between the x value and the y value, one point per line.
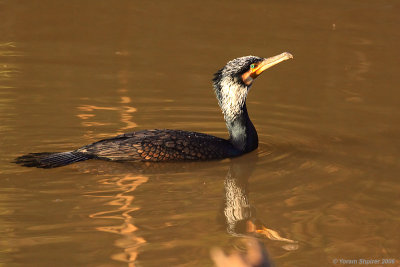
237	207
240	216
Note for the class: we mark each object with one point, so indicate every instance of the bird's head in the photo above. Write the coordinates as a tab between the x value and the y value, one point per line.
233	82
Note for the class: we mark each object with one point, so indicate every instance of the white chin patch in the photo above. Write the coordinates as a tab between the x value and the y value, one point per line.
233	98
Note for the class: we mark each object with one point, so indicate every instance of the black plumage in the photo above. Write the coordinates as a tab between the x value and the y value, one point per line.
161	145
231	85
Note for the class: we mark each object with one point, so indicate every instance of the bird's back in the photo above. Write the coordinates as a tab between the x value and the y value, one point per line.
161	145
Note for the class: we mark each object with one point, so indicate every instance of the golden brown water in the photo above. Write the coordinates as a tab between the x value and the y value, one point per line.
324	181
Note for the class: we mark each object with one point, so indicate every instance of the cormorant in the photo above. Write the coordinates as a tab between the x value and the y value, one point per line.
231	85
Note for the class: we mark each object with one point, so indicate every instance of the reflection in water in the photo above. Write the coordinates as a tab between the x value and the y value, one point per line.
8	70
122	201
88	112
122	204
240	216
8	49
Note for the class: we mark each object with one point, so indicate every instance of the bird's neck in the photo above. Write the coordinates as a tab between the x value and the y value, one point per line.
243	135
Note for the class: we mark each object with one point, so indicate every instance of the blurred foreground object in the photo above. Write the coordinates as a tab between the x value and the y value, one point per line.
255	255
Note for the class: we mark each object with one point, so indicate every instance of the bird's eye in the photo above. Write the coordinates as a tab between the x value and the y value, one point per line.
252	66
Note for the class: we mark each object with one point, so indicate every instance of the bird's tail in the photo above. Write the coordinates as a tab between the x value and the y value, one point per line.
49	160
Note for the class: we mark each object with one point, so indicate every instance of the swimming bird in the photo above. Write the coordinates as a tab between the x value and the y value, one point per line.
231	85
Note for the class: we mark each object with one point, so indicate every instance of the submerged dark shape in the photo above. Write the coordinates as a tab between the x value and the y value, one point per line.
231	85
